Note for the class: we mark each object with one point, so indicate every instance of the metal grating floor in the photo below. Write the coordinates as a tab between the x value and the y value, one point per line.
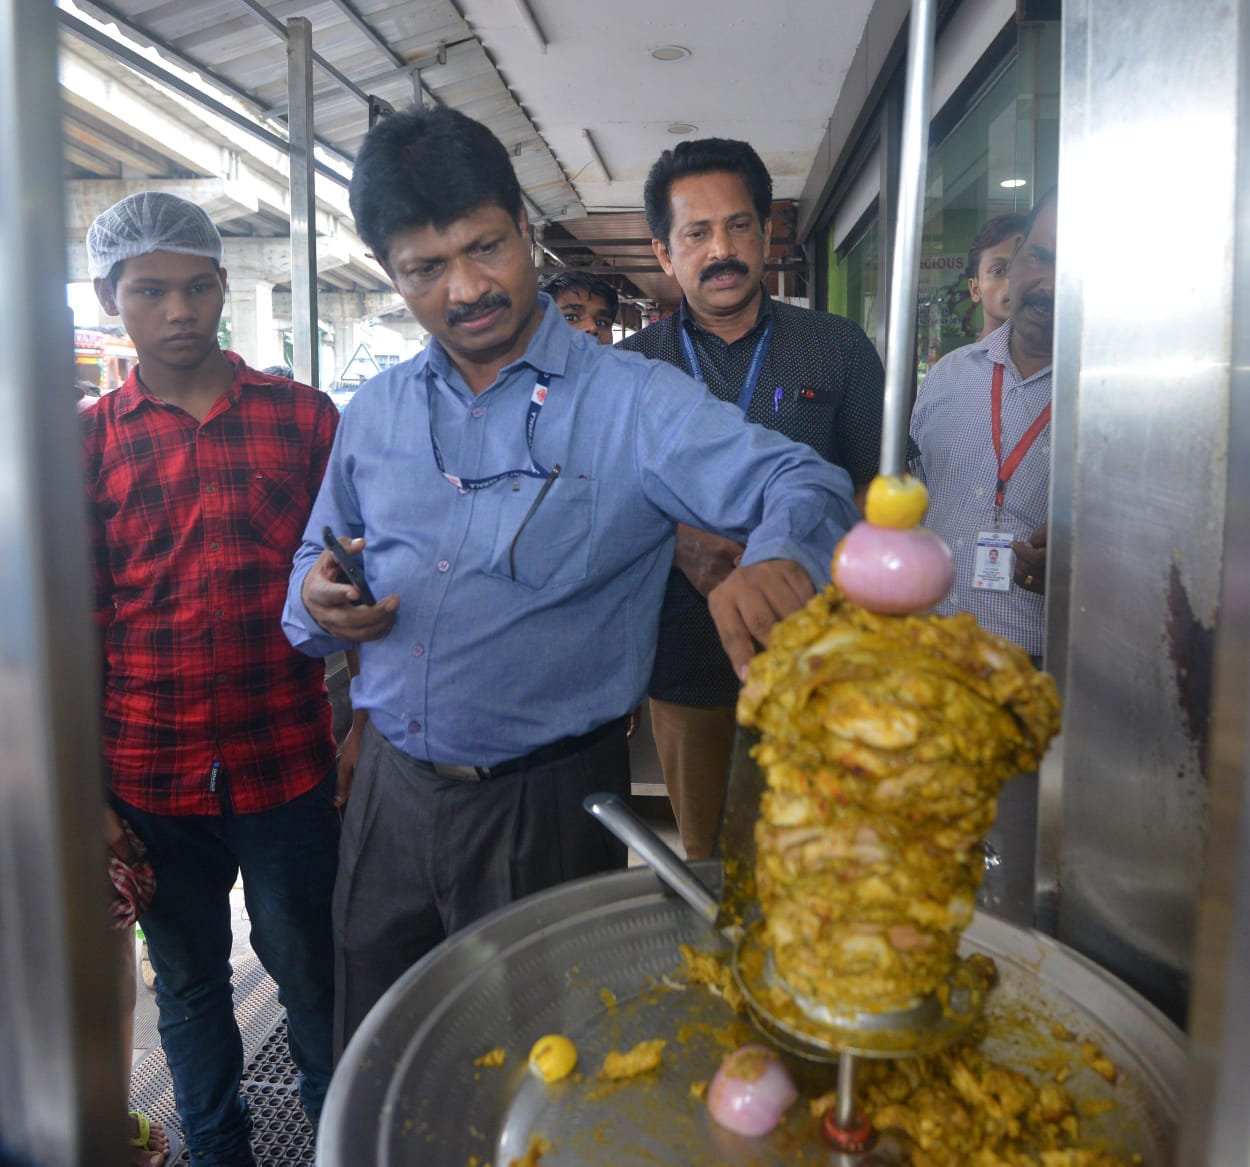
282	1136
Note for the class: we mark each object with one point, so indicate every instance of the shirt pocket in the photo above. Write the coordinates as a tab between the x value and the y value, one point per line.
552	547
277	508
804	415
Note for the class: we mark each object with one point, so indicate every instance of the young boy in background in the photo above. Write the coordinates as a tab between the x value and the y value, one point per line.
587	303
988	260
200	474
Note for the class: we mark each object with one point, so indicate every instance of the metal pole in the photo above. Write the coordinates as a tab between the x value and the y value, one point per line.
61	1101
846	1090
303	202
905	272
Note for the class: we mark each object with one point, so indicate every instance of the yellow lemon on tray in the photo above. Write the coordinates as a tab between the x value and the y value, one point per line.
553	1057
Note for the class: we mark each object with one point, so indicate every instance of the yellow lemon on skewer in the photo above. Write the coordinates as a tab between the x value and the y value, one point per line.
897	502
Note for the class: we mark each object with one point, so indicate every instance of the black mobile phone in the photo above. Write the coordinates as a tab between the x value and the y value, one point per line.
350	567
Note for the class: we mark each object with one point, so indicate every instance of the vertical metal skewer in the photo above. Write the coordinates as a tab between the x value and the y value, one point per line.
846	1090
905	269
900	351
847	1130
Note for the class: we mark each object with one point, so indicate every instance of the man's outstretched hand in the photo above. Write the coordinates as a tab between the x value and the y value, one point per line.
751	600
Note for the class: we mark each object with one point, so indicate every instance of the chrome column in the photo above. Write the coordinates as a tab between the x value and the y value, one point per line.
61	1101
1148	194
1216	1127
306	345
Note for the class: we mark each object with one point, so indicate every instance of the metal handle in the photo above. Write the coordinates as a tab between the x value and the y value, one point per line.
612	812
905	270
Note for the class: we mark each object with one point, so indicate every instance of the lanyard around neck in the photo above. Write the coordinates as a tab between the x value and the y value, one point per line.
753	370
1008	468
537	400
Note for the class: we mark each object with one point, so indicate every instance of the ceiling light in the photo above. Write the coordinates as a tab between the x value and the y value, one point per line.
681	128
1012	183
670	53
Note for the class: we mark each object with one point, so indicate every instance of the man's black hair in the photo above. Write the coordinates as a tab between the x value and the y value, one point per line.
428	167
992	233
565	281
704	156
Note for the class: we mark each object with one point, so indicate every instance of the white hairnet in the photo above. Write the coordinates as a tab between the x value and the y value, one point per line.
149	221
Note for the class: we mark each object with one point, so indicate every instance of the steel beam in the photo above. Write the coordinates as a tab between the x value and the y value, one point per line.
299	63
376	39
61	1101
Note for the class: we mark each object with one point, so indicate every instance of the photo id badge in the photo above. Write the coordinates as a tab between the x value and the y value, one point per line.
991	568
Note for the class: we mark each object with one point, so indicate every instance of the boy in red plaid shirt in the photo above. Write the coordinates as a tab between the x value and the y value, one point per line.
200	476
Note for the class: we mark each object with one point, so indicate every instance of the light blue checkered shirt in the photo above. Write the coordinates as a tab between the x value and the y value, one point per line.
951	427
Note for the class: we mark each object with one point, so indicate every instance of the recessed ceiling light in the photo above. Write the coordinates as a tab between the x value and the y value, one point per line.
670	53
681	128
1012	183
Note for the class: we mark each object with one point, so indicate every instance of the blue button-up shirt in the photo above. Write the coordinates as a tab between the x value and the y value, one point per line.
951	427
480	668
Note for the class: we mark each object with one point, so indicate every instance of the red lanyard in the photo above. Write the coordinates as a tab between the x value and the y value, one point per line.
1008	468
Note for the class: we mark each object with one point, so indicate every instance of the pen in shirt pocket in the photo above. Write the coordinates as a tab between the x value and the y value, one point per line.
778	395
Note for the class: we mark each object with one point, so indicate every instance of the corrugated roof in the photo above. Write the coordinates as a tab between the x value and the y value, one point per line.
241	44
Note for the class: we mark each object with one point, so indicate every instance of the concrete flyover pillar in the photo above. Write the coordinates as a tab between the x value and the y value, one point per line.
346	338
253	334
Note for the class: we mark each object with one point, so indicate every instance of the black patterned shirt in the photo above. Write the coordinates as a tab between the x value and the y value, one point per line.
821	383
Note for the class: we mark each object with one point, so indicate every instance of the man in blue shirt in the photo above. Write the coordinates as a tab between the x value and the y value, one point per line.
514	490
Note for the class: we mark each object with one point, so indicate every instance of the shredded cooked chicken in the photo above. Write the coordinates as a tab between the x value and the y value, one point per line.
961	1109
642	1059
885	741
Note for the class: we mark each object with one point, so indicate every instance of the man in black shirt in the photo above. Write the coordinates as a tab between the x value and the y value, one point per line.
813	376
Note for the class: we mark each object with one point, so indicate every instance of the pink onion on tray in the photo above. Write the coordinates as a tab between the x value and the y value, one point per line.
751	1091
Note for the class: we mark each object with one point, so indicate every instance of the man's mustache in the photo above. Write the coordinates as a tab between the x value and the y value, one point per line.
1039	300
486	304
723	267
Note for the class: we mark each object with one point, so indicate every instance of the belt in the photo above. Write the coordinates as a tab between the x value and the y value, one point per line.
543	756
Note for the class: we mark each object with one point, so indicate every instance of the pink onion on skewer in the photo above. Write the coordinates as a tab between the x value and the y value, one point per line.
888	564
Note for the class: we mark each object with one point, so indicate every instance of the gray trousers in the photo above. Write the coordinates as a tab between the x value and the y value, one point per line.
421	856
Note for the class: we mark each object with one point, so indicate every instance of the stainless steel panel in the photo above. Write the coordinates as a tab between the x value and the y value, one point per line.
1217	1121
60	1096
1139	443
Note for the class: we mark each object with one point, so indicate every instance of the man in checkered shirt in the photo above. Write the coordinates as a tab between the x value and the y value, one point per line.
976	490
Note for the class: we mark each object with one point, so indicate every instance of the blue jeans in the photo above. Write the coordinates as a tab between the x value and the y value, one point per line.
288	858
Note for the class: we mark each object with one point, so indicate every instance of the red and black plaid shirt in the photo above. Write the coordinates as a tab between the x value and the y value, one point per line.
193	526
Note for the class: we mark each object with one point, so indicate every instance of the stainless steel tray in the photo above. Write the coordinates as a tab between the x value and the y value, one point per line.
407	1091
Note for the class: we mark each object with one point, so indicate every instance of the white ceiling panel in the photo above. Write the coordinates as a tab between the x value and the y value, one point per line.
767	73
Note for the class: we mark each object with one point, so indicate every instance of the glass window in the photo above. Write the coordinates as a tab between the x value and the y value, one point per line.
1000	156
853	279
964	189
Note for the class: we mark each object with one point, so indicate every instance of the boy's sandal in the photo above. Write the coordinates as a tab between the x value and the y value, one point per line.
140	1141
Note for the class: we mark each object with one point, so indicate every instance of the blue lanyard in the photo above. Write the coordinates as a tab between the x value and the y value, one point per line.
753	370
537	400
